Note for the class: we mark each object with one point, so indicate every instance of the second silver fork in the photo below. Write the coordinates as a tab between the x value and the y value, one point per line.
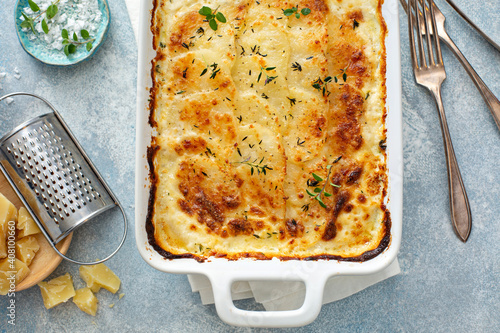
429	72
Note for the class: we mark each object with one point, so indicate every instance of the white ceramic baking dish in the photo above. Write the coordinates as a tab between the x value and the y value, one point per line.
314	274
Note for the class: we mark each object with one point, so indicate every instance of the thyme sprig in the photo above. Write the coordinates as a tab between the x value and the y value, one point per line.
257	166
295	11
321	85
212	16
214	68
50	12
70	44
318	192
269	79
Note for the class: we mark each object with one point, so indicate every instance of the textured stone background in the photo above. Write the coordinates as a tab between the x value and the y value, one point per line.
445	285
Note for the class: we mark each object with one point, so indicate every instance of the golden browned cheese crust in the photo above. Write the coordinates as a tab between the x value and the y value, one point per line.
270	131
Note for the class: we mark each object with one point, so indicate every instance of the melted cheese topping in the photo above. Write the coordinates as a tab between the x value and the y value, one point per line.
258	120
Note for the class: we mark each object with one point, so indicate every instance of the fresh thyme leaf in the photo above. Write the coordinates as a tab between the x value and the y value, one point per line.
289	11
75	37
297	15
51	11
327	194
258	78
214	73
205	11
311	194
64	34
321	203
25	24
65	41
72	48
335	185
89	46
344	77
269	68
34	7
317	190
85	34
66	50
45	27
204	72
220	17
318	178
305	11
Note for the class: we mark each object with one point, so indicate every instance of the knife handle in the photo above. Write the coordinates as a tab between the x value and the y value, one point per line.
468	20
490	99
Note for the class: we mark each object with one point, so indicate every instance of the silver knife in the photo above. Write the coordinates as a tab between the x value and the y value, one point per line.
468	20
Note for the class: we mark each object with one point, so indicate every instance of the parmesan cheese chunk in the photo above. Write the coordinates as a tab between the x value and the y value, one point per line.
86	301
25	224
57	291
100	276
9	276
26	248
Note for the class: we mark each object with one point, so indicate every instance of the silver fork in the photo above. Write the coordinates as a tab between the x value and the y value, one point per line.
491	101
429	72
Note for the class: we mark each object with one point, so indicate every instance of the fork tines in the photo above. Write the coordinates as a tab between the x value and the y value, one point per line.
421	14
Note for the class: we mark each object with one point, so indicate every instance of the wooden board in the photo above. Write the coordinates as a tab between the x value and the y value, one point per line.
46	259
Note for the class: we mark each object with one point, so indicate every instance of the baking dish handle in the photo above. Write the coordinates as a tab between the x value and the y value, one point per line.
228	312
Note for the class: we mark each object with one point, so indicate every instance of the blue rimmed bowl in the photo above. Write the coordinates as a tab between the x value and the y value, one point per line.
38	48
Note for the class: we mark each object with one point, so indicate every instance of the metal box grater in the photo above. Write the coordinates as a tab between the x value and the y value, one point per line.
54	177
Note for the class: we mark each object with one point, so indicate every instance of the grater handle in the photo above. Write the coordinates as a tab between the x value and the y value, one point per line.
102	260
21	197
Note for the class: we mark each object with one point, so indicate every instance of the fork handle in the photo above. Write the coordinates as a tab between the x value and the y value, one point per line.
490	99
459	203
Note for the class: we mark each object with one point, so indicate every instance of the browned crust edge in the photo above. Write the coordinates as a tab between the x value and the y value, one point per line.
153	149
